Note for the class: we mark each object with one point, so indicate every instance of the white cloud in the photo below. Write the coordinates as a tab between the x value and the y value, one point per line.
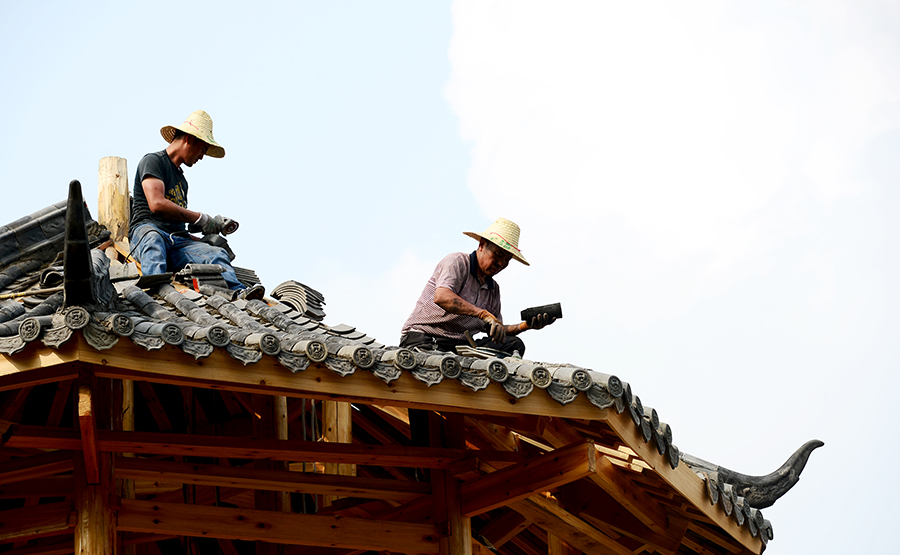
673	147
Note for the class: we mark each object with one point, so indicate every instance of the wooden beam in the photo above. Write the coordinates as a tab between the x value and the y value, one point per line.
613	480
537	474
558	546
41	437
44	486
272	480
219	370
49	519
504	527
276	527
59	403
88	425
114	199
591	502
567	527
35	466
683	480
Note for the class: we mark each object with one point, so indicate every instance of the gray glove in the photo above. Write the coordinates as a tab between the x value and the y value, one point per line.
540	321
209	224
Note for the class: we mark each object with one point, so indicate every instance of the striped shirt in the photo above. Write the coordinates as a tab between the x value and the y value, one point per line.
458	273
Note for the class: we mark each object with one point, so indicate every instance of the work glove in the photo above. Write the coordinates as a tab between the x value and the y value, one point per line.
540	321
496	329
208	224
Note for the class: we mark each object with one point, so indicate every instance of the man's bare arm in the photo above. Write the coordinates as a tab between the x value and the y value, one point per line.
155	191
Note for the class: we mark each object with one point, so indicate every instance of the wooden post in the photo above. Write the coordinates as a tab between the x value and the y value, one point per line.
95	530
269	422
115	199
124	421
337	424
454	528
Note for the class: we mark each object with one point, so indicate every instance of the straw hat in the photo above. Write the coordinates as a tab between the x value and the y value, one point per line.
198	124
504	234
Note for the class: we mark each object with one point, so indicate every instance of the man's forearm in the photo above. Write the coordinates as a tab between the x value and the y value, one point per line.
454	304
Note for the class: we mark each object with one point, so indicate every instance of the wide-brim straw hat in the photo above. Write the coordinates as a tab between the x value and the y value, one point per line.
504	234
198	124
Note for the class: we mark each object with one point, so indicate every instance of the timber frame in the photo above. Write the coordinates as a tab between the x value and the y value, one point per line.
175	421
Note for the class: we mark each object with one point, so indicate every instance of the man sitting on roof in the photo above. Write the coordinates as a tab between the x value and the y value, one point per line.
159	212
461	296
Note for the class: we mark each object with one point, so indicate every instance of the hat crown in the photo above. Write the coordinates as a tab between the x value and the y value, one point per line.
505	234
199	125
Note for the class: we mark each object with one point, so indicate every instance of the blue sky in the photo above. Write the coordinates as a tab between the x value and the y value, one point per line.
709	189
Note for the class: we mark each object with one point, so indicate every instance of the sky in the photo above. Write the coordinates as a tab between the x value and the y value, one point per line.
708	188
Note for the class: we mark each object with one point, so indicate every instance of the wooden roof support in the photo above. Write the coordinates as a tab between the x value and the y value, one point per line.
567	527
337	424
504	527
95	528
49	519
88	425
35	466
276	527
23	436
683	480
269	479
521	480
455	528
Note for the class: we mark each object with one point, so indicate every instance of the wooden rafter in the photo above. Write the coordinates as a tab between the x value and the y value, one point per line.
35	466
49	519
276	527
540	473
273	480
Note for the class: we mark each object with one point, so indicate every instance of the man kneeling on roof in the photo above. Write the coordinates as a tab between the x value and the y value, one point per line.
461	296
159	213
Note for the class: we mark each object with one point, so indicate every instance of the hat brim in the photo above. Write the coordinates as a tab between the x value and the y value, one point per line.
479	237
214	150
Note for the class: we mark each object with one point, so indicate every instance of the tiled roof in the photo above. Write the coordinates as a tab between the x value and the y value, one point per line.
289	327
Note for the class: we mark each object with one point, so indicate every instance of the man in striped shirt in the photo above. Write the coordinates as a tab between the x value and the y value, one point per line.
462	296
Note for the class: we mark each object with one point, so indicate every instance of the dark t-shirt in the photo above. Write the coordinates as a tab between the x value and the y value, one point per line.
158	165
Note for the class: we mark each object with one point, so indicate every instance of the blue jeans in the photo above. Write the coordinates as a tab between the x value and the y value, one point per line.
158	252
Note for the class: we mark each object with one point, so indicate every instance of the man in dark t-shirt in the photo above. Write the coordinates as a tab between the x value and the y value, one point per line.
160	214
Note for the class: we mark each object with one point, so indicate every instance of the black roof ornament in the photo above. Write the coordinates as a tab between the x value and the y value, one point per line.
77	285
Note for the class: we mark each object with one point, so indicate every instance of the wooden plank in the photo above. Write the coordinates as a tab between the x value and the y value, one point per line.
521	480
567	527
88	426
49	519
173	366
57	545
276	527
35	466
273	480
